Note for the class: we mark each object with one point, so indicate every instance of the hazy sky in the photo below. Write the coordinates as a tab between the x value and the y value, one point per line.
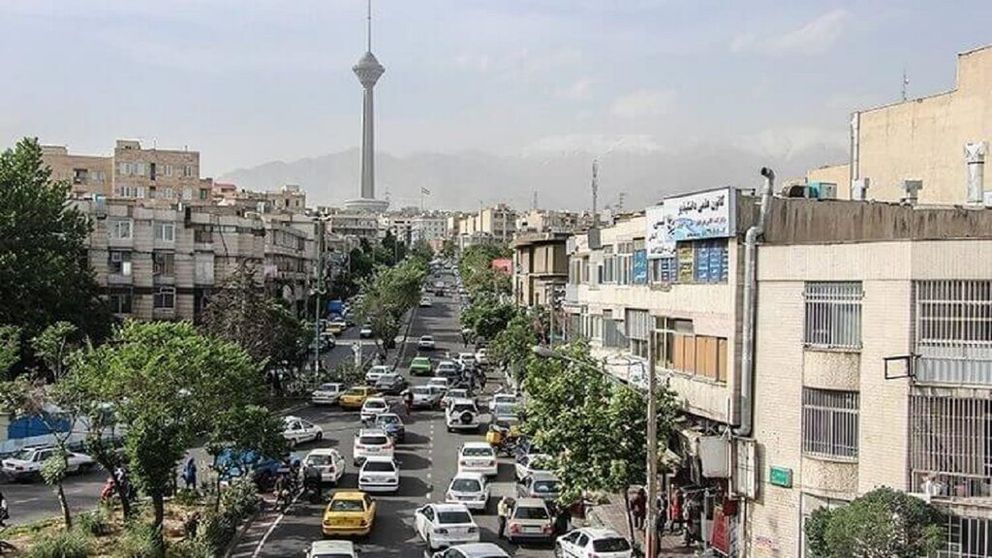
245	82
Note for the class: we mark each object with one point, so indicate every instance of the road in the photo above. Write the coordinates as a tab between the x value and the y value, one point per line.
427	462
35	500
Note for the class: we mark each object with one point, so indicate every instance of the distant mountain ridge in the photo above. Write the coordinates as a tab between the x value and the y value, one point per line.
467	179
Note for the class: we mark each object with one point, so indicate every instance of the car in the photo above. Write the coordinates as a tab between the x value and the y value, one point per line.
372	407
376	372
326	394
328	461
391	384
467	360
337	325
440	382
379	474
504	411
354	397
593	541
420	366
529	521
332	549
371	442
456	393
296	431
350	512
502	399
426	343
477	457
472	550
425	302
448	369
235	463
470	489
323	342
528	463
365	332
540	484
392	425
482	356
461	414
27	463
426	396
442	525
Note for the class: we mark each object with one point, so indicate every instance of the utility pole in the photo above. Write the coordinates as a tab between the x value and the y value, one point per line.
595	193
319	228
650	518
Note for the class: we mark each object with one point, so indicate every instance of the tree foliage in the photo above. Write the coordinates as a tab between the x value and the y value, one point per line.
241	431
10	348
44	272
511	347
884	523
388	295
476	269
488	315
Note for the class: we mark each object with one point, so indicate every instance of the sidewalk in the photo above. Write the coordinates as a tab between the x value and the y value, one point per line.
614	516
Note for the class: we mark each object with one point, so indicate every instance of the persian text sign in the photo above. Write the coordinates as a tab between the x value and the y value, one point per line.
691	217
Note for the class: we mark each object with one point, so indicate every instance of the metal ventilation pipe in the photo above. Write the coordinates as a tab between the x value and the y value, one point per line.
974	156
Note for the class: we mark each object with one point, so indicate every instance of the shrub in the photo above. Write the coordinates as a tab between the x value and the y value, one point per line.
95	522
217	530
187	497
64	544
240	500
138	541
196	548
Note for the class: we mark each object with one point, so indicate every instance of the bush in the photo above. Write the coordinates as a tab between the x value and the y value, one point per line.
187	497
217	530
240	500
64	544
196	548
138	541
95	522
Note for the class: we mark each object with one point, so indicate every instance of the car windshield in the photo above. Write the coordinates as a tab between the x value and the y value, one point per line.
427	338
523	512
506	410
318	460
372	440
24	455
612	544
477	452
445	517
461	408
379	466
543	487
375	404
331	555
456	393
388	378
328	387
421	390
347	506
466	485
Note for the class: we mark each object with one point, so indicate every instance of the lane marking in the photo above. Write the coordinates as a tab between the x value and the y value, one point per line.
265	538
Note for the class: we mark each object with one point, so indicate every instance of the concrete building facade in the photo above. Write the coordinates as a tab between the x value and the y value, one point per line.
540	268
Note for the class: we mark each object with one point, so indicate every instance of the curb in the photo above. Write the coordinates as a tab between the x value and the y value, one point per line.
242	530
406	334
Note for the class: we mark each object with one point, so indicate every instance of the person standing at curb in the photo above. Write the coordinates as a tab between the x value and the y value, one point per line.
503	514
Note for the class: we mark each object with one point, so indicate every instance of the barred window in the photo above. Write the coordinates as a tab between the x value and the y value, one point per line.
833	314
830	422
613	334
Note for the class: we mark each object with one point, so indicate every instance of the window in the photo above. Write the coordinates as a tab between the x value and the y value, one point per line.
165	193
638	331
163	263
80	176
119	262
124	191
710	261
165	297
664	270
120	301
833	314
204	194
609	265
950	445
188	170
830	423
167	170
613	334
681	349
203	236
120	230
187	193
165	232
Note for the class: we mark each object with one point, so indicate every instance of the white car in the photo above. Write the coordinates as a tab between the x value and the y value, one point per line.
472	550
440	382
326	394
332	549
447	368
467	360
376	372
338	324
379	474
477	457
296	431
470	489
451	394
427	397
365	332
426	343
373	407
442	525
371	442
425	302
531	463
502	399
27	463
461	414
482	356
328	461
593	542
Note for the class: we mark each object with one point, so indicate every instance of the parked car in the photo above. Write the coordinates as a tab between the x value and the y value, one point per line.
376	372
332	549
529	521
441	525
420	366
477	457
232	464
469	489
392	425
297	431
543	485
391	384
354	397
528	463
461	414
371	442
379	474
27	463
593	541
472	550
426	343
349	513
326	394
328	461
372	408
365	332
426	396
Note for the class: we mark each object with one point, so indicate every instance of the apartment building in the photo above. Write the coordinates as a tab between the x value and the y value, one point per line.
350	223
87	174
290	256
289	198
491	225
540	268
546	220
428	228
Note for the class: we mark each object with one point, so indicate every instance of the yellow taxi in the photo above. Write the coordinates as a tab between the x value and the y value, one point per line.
355	397
350	512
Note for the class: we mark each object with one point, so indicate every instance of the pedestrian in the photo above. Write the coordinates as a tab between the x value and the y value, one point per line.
192	525
4	510
662	517
690	513
189	474
563	517
503	513
638	508
675	511
408	401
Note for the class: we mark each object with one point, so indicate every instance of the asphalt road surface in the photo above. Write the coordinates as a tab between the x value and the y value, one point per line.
427	462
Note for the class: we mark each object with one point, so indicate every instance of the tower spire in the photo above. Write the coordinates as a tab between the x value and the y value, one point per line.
368	34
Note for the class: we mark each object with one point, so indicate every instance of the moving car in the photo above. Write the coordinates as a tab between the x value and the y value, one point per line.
328	461
448	369
391	384
467	360
426	343
443	525
379	474
473	550
297	431
482	356
440	382
502	399
326	394
426	396
477	457
332	549
528	463
541	485
392	425
376	372
593	541
529	521
420	366
371	442
27	463
354	397
372	407
505	412
456	393
349	512
461	414
365	332
337	325
469	489
425	302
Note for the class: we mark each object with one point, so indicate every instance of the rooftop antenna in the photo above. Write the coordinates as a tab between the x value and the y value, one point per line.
368	35
595	192
905	83
534	201
620	201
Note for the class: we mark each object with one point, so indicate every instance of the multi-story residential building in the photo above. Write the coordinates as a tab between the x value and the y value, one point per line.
88	174
491	225
290	256
290	198
349	223
428	228
546	220
540	268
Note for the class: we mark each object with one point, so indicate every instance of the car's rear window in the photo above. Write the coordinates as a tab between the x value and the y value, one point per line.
347	506
388	419
611	544
461	408
373	403
379	466
318	460
466	485
453	517
372	440
545	486
530	513
477	452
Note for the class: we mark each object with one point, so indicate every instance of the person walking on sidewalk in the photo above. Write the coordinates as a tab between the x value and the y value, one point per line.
675	511
189	474
638	508
503	513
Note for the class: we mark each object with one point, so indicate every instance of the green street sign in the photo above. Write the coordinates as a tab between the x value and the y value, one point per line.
780	476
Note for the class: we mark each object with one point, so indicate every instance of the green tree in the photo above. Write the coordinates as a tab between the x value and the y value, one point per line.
240	432
167	384
44	274
448	249
487	315
10	348
388	295
511	347
883	523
